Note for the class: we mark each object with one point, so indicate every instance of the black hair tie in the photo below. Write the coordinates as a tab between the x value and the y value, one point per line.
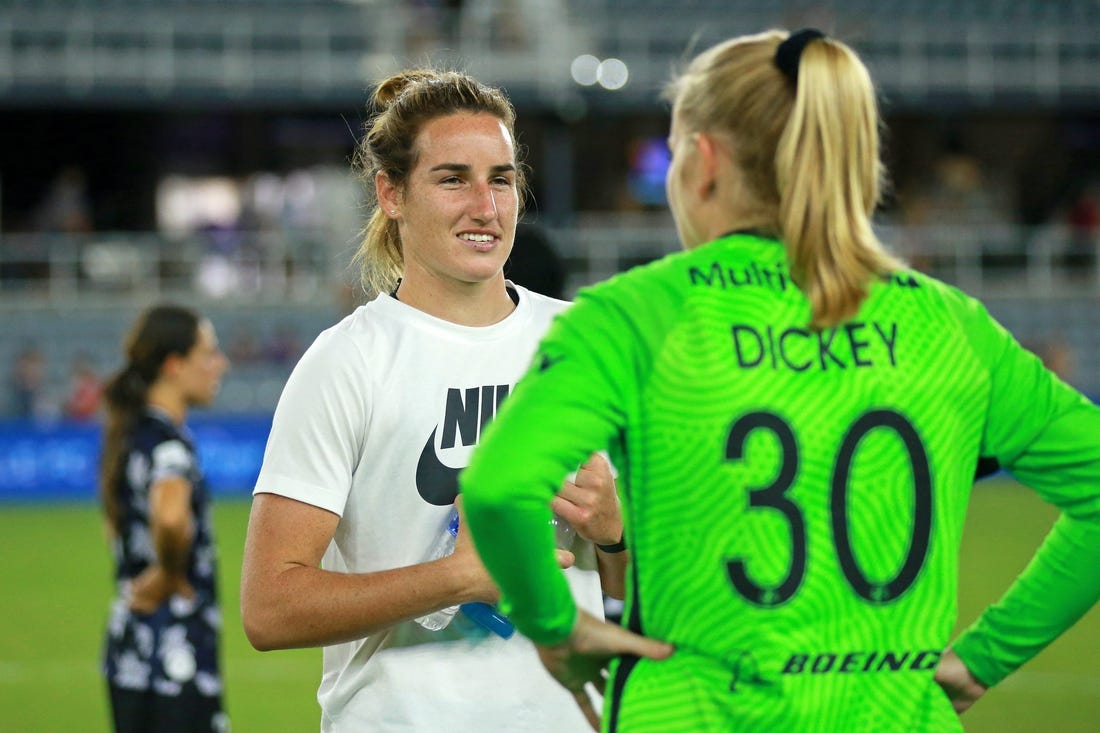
789	52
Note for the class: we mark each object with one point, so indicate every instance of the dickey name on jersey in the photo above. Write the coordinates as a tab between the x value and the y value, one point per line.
858	344
465	415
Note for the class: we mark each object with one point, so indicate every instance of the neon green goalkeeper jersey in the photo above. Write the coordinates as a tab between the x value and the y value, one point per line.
793	498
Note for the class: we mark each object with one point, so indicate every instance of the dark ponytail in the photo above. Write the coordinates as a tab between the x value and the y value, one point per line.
160	332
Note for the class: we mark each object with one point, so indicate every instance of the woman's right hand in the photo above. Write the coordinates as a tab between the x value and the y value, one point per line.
153	586
484	588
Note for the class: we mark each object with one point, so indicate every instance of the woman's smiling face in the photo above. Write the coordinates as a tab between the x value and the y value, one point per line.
458	211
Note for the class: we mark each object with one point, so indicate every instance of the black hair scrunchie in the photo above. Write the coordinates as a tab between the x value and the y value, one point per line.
789	52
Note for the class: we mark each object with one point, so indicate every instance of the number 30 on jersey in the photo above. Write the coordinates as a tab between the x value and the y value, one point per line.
774	496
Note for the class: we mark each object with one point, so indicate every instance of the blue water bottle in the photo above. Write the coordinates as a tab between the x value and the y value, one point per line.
488	617
483	614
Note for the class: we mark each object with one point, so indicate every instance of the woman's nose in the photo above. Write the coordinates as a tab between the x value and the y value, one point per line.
485	204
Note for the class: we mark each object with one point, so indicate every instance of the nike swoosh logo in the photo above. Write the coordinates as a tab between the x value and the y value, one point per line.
436	483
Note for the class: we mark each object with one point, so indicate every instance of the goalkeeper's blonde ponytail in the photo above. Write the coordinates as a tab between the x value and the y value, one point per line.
803	116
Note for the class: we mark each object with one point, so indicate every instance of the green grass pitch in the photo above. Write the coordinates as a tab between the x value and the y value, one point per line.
56	583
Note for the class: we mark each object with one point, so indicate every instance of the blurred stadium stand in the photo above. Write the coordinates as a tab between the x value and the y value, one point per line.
72	313
247	50
1016	78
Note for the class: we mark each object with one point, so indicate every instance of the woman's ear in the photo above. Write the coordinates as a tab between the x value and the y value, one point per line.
171	366
389	196
708	164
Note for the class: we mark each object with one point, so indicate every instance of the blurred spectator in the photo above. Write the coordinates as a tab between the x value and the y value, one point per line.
450	20
1084	229
958	208
1057	356
958	191
218	273
28	384
649	161
85	389
66	207
284	347
244	348
534	263
435	23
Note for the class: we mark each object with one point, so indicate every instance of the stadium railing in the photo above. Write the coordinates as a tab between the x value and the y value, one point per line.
1042	281
109	267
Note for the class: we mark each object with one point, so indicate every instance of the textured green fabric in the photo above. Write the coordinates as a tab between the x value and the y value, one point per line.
794	499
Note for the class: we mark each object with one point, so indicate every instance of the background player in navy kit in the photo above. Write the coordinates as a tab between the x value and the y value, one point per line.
360	471
162	644
796	461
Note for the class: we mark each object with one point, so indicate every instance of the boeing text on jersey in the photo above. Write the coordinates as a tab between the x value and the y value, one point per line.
881	660
746	669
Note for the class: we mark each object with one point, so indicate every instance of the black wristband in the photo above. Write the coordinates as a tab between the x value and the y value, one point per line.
619	546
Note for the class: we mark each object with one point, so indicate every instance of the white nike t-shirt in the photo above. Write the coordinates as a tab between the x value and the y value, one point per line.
374	424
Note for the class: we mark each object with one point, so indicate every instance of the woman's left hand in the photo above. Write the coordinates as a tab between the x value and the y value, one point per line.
956	679
590	502
154	586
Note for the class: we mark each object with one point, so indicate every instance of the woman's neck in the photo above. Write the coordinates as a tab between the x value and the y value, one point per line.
168	401
732	207
467	304
725	214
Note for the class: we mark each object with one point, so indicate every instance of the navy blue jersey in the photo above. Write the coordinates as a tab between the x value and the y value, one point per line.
176	646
